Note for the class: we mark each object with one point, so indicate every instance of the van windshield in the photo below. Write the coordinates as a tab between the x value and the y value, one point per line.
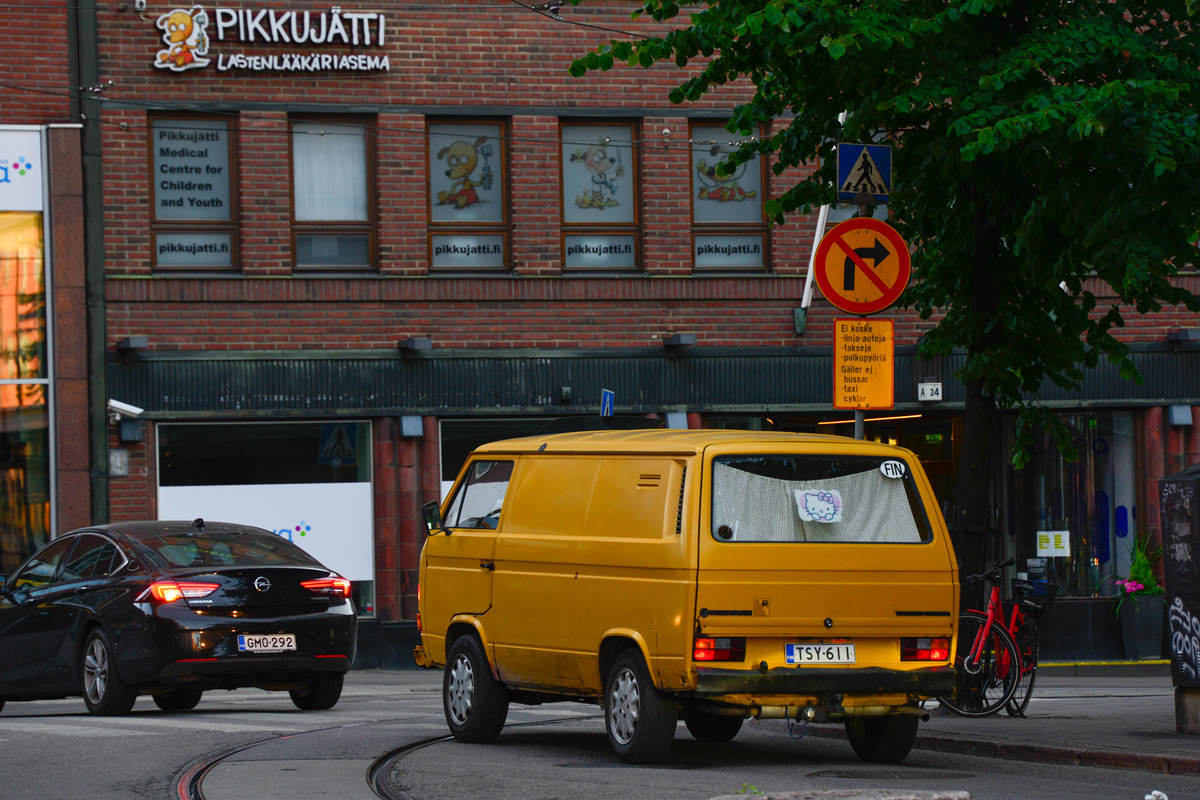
816	498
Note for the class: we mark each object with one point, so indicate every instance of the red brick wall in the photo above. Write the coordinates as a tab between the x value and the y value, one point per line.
34	65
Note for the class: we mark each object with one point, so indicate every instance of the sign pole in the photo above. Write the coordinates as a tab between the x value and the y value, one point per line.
860	424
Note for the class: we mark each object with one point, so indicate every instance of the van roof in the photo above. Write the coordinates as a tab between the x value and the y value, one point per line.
673	440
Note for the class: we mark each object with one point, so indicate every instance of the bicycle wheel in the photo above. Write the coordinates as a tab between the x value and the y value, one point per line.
1027	643
982	689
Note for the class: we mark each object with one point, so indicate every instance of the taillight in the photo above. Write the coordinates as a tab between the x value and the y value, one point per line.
723	649
913	649
334	587
419	628
170	591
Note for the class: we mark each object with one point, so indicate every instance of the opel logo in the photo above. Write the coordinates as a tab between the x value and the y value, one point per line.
261	583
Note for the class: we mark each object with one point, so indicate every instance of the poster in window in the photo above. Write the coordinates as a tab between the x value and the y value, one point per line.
191	169
466	173
598	174
716	198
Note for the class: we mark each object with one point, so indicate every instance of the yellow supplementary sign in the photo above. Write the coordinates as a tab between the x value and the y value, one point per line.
863	363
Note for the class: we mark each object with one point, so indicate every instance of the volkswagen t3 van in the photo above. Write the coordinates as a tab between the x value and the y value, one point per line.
708	575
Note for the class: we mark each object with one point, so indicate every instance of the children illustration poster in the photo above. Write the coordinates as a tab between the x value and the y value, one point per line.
466	173
723	198
598	174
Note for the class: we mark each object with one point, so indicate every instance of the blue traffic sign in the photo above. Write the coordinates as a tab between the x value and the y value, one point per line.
608	400
864	168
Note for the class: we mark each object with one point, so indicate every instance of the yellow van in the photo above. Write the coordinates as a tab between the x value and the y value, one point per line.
712	575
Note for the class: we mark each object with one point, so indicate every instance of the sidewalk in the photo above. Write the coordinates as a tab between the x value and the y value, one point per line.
1119	715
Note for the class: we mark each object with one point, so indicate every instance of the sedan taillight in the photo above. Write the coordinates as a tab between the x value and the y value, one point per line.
334	587
170	591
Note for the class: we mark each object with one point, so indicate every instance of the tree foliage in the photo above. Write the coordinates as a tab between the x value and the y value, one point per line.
1038	144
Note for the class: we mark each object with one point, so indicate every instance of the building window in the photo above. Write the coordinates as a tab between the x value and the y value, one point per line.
729	230
25	455
468	207
599	202
195	218
1072	522
309	482
333	208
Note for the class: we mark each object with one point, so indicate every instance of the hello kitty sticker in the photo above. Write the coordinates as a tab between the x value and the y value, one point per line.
819	505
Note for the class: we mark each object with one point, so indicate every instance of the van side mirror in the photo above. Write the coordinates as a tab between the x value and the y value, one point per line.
433	518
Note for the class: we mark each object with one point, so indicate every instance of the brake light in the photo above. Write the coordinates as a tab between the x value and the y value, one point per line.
419	628
723	649
334	587
913	649
170	591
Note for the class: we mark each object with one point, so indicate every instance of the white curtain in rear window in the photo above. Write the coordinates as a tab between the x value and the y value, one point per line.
758	509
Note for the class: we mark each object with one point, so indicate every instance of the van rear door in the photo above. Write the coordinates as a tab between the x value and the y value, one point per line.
841	547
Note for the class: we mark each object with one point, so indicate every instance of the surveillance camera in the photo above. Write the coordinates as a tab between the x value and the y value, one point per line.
124	409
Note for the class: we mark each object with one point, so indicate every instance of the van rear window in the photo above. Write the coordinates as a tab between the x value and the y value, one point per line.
814	498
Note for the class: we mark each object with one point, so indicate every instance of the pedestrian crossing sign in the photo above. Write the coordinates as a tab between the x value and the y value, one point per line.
864	168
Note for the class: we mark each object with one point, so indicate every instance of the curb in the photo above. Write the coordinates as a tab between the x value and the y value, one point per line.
1043	754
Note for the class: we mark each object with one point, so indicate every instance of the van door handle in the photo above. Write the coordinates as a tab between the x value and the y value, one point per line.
488	565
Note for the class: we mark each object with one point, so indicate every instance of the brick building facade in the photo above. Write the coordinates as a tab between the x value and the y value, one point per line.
253	324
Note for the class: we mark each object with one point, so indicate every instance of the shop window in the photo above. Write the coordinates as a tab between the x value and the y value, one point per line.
333	208
194	224
468	206
729	229
1072	522
599	197
25	454
309	482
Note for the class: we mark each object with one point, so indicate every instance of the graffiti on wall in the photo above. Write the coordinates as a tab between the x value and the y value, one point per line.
1185	639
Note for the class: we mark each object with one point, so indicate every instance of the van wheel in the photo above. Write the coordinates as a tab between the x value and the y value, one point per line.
705	727
640	719
476	704
882	740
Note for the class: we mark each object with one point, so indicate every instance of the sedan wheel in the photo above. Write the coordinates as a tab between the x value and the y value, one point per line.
104	692
178	700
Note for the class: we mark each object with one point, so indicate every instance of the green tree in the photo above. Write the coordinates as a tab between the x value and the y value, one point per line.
1039	144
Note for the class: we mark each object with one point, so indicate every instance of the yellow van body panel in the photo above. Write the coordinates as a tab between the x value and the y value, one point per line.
611	534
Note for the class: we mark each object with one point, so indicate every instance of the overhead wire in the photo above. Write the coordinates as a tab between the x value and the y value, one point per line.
95	93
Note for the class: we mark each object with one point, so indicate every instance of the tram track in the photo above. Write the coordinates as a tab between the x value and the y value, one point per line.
189	784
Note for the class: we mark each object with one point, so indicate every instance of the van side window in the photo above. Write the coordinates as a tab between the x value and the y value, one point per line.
815	498
480	497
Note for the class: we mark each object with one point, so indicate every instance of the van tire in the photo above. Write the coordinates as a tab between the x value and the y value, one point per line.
640	720
476	704
705	727
882	740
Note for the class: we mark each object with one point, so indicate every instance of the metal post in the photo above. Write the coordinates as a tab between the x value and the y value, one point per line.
860	424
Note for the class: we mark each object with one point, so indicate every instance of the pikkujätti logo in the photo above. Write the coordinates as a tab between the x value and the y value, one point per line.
185	32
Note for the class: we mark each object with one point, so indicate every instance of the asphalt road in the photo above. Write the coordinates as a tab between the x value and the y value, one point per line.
257	745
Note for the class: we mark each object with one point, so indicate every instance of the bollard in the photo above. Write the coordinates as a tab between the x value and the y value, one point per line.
1180	515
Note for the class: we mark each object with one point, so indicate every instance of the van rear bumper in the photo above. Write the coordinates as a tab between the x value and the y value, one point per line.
930	682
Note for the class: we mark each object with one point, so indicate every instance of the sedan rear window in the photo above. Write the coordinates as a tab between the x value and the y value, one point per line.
227	550
812	498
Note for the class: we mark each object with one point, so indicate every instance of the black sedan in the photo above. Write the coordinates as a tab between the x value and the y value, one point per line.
172	609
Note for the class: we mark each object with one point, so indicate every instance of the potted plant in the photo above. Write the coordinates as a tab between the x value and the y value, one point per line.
1140	602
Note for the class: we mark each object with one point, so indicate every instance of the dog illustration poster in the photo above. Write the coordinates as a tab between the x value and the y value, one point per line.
597	174
736	197
466	173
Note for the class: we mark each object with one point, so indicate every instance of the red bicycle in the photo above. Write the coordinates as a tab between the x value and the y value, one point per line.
997	655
